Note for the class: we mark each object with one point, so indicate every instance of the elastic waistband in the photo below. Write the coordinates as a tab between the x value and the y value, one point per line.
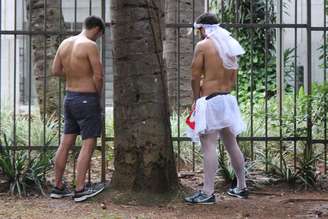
216	94
79	94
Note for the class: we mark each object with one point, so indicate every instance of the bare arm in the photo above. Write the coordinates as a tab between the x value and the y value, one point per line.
233	72
57	66
233	77
96	66
197	69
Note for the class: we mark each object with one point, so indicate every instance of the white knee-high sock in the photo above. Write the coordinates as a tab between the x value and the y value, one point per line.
210	160
236	156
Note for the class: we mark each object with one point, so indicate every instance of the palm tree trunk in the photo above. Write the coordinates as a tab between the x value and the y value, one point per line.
185	42
43	51
144	159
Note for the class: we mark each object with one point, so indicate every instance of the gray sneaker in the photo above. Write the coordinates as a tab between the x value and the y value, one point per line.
204	199
88	192
191	198
201	198
60	193
239	193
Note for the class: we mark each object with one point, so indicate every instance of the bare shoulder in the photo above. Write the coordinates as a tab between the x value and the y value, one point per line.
201	45
207	43
67	40
65	43
88	44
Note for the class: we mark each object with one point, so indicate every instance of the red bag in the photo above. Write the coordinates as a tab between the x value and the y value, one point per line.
190	123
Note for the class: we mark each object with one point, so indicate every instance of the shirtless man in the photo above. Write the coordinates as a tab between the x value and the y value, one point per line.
77	59
216	111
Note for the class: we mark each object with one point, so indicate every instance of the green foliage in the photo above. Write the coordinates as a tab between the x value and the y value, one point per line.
225	168
323	48
323	51
24	171
259	59
282	163
318	108
305	171
37	127
277	164
257	67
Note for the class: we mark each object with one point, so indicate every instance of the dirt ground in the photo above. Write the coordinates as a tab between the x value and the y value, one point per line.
275	201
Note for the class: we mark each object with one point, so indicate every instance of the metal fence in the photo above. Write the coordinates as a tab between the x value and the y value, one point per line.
26	33
180	141
279	26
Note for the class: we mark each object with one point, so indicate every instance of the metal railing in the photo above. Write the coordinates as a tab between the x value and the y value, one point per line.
252	27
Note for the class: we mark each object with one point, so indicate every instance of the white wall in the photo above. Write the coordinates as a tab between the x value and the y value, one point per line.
7	41
83	9
317	40
7	53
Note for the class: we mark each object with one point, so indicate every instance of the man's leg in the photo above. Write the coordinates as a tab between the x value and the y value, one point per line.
61	157
83	162
236	156
82	192
210	160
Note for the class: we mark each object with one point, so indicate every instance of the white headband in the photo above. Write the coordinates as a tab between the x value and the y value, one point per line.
197	26
228	48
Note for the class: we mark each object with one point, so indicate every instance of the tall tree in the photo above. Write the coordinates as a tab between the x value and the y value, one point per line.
144	159
44	49
180	12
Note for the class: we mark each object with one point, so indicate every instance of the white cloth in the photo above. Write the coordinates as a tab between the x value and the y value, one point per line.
227	47
211	115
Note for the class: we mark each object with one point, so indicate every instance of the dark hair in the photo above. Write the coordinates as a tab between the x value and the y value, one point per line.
94	21
207	18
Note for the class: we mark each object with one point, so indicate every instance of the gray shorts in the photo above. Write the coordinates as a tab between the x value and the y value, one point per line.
82	114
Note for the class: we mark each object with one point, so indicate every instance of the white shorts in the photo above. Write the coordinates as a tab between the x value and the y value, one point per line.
211	115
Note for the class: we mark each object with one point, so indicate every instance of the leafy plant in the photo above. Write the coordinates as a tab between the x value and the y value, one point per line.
292	125
41	132
24	170
306	169
225	169
277	165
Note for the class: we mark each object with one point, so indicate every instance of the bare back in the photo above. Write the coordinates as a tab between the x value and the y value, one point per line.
74	54
207	62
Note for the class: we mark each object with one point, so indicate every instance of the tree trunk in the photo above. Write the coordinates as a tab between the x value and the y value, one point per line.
43	52
171	56
144	159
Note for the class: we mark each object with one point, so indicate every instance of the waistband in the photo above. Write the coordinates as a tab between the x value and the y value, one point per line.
79	94
216	94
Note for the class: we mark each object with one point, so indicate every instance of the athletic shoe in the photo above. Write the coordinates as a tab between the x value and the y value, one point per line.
60	193
204	199
191	198
201	198
88	192
239	193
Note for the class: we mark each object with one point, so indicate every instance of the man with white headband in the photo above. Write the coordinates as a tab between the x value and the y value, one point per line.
216	112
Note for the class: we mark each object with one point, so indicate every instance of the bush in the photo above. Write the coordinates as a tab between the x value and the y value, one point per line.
24	171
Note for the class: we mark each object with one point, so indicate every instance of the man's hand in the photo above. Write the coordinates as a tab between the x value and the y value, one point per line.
97	68
193	106
57	66
197	68
102	105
